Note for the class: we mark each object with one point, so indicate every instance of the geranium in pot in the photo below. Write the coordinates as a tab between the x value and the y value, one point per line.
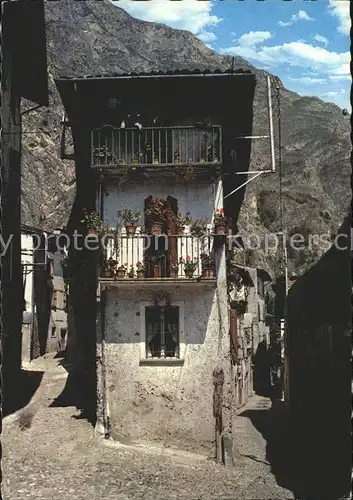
190	266
173	269
207	265
220	222
130	220
110	268
198	228
141	269
156	213
181	221
91	220
156	259
121	271
131	273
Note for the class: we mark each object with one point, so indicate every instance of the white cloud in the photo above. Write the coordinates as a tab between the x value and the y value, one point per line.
307	80
340	9
333	93
321	39
296	54
207	36
301	16
191	15
340	78
254	38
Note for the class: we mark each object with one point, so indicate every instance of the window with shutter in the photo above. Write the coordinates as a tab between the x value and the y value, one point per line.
54	299
162	331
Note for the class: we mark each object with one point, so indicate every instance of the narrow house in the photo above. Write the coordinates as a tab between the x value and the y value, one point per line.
318	370
249	328
44	322
152	153
23	76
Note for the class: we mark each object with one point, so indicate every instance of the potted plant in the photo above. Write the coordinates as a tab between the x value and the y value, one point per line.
156	212
130	220
207	265
91	220
190	266
131	273
173	270
110	268
156	260
181	221
198	228
240	306
121	271
220	222
141	268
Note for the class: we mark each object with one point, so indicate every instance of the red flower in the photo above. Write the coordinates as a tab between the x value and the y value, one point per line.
188	258
221	211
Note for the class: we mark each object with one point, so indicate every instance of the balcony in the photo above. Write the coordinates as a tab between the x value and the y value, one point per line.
113	147
150	259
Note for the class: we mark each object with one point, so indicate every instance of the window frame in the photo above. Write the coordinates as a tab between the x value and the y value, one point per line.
182	346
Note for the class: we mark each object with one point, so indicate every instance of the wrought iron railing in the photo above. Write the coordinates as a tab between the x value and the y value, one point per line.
158	146
165	256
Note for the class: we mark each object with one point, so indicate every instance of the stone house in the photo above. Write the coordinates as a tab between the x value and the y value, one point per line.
249	326
153	301
318	370
44	323
23	70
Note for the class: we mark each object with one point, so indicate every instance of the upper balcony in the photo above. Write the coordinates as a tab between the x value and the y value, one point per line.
115	148
148	260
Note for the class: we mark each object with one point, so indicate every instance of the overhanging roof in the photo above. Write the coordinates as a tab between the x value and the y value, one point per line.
156	74
24	35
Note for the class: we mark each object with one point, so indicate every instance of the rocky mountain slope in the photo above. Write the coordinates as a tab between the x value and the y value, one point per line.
98	37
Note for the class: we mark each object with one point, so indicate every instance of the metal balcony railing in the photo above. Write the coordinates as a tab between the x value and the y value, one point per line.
165	256
157	146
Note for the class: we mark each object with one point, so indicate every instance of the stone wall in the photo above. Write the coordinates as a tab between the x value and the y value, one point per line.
318	371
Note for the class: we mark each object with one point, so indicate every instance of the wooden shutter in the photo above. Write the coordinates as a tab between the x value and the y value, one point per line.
147	202
234	333
172	255
54	299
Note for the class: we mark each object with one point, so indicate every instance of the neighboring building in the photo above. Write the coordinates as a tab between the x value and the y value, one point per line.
162	346
248	326
23	74
44	325
318	371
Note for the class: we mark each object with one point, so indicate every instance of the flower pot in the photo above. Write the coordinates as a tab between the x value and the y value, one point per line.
140	274
207	273
120	273
220	229
156	270
130	230
189	274
91	231
156	227
109	274
173	273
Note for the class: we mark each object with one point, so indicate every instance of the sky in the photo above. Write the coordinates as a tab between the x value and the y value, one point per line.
304	42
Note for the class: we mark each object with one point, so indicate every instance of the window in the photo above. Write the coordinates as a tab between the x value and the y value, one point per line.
53	331
162	332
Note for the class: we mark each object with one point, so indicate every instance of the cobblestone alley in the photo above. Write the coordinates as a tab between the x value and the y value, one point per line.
50	454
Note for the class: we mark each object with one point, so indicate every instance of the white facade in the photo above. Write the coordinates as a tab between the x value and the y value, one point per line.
170	399
57	324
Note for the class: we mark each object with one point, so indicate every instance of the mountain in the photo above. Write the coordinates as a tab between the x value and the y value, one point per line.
97	37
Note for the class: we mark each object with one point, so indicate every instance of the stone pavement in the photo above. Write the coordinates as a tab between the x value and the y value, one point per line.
50	454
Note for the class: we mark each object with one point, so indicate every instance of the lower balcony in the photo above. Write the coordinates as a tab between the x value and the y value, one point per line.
152	259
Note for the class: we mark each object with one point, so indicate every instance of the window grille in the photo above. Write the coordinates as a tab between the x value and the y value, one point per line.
162	332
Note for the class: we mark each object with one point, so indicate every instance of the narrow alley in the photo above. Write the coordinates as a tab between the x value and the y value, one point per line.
49	452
